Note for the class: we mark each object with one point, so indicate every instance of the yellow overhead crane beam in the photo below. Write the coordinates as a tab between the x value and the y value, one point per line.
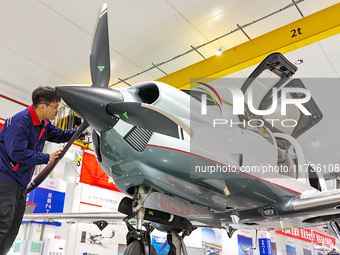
300	33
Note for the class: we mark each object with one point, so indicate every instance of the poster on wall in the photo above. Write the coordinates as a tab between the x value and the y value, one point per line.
291	250
121	248
245	245
307	252
307	248
210	242
160	242
88	239
265	246
98	199
49	197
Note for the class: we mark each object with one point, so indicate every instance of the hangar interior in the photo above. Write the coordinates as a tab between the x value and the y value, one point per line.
48	43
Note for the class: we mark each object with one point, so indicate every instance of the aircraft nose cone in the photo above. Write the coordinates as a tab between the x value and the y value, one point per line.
90	103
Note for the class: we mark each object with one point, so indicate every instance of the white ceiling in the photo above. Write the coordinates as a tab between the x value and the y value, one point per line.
48	42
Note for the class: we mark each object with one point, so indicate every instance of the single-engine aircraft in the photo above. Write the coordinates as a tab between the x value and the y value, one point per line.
151	137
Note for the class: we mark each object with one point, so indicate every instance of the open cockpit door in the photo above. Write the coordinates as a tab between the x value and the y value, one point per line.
272	76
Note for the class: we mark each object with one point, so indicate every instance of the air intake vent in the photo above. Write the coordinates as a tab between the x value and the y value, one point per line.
138	138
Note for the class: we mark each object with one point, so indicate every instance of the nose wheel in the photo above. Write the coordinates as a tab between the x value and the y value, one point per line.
138	238
137	248
139	241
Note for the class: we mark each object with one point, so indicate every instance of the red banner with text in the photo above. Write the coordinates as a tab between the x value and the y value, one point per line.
93	174
310	235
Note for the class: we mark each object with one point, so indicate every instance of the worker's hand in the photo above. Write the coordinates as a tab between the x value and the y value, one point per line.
55	155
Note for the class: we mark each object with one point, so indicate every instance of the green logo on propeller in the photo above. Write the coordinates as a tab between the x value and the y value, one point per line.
101	68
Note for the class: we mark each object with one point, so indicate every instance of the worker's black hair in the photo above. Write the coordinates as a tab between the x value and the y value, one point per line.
44	95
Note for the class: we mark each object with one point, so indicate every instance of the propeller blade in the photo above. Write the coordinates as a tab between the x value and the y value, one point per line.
100	54
42	175
90	104
149	117
50	166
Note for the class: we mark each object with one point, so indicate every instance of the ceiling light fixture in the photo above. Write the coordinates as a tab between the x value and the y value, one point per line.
298	62
219	51
294	3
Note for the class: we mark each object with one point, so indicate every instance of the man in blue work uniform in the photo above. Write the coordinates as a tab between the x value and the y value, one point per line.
22	140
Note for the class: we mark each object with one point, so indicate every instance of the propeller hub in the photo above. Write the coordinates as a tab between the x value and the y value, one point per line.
90	103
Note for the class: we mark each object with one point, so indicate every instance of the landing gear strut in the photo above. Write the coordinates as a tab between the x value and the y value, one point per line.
176	243
138	238
139	241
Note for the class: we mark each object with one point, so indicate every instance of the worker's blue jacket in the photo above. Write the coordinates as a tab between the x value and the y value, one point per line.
22	140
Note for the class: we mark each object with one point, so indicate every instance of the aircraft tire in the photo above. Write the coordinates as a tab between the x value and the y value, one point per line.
136	248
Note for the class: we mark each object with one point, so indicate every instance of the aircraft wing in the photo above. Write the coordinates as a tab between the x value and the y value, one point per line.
328	201
305	210
74	217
